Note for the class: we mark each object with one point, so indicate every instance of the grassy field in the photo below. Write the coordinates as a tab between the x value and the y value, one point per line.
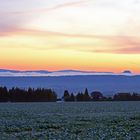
70	121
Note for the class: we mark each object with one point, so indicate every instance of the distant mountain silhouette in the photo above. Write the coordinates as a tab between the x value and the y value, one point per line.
127	72
38	71
74	71
6	72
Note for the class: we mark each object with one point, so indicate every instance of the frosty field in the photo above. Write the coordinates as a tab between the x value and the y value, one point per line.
70	121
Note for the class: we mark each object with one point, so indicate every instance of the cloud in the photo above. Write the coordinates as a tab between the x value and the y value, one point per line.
80	42
10	23
124	50
47	8
15	20
118	45
65	5
103	26
130	50
95	43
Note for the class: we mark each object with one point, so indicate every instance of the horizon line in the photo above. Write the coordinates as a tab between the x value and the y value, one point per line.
58	70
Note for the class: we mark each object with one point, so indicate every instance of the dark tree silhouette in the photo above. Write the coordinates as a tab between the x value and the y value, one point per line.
96	96
66	96
86	96
29	95
126	97
72	97
79	97
136	97
16	94
4	97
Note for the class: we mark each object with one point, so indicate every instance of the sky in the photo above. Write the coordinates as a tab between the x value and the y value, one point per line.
91	35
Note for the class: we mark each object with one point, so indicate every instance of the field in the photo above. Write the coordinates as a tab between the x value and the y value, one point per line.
70	121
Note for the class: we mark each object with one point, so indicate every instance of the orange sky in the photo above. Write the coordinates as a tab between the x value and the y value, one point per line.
97	35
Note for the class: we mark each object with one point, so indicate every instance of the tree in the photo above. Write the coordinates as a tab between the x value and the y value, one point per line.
124	97
79	97
135	97
66	96
86	96
96	96
4	96
72	97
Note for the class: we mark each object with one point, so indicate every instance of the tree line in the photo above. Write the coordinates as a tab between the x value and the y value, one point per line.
48	95
27	95
98	96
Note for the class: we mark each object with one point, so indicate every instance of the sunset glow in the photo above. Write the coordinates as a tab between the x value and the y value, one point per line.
94	35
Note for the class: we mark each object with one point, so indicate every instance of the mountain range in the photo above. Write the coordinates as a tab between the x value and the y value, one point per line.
6	72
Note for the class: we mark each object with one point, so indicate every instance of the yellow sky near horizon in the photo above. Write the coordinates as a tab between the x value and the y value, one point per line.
94	35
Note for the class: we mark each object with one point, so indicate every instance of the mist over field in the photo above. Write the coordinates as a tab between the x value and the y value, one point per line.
107	84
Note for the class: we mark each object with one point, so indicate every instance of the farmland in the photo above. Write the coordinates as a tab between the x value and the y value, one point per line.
70	121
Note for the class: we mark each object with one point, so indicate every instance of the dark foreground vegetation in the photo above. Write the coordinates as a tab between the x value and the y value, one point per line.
98	96
27	95
48	95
